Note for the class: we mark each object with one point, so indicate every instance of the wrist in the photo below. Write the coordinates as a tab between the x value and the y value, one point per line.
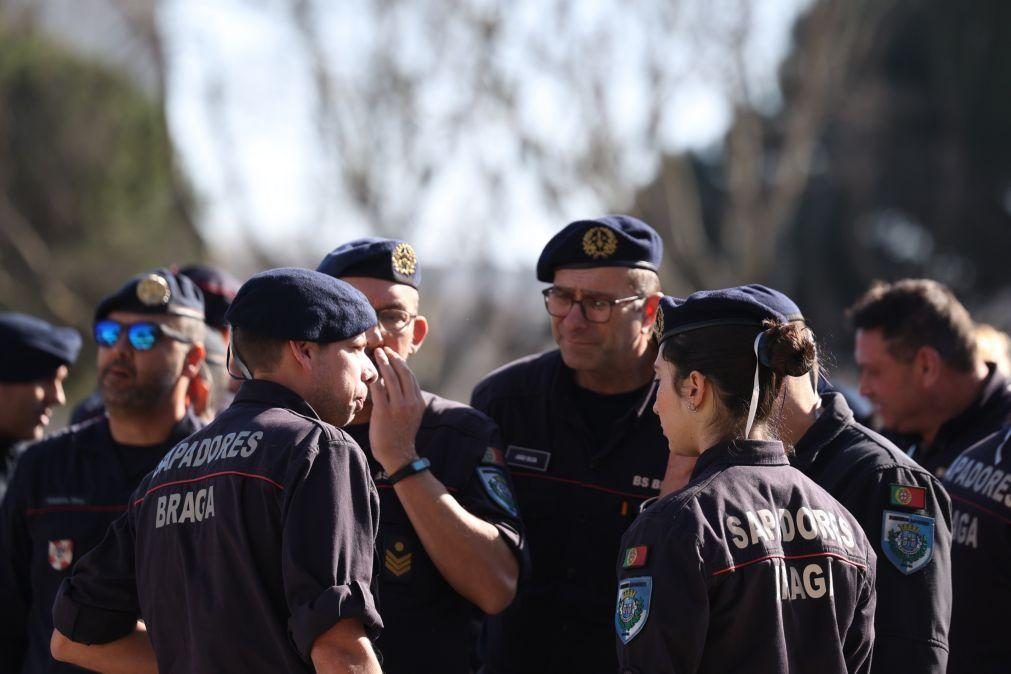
413	467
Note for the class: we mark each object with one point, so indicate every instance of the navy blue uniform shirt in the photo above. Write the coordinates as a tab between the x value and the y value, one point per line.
979	482
65	492
881	486
987	414
427	625
752	567
579	483
249	540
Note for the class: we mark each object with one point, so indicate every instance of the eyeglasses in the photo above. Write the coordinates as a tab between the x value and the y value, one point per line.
559	303
393	321
142	336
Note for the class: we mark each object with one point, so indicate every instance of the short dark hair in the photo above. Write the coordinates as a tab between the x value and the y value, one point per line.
725	355
913	313
255	350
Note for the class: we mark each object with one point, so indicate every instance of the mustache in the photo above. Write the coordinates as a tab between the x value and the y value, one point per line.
119	364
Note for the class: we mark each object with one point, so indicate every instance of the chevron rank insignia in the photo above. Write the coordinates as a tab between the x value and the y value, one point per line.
397	560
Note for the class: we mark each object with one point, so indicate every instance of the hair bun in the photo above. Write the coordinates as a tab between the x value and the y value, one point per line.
787	349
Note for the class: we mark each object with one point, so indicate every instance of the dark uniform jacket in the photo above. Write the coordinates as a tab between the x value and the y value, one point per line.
65	492
578	491
872	478
979	482
752	567
7	450
249	540
987	414
427	625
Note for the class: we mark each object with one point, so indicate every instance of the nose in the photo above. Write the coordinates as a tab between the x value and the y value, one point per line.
864	387
373	337
369	372
575	317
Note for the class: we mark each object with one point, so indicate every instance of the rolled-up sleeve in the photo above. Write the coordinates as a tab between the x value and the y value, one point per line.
98	603
328	545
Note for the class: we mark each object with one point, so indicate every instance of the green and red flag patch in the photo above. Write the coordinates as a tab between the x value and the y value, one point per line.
635	558
493	456
906	496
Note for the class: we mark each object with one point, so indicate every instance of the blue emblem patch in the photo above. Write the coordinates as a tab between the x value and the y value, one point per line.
907	540
497	486
633	606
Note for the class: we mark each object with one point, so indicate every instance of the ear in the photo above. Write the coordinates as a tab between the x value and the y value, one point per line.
420	332
649	309
302	352
191	364
694	388
928	365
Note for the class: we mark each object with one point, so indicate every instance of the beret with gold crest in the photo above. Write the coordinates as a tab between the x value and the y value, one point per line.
373	257
610	241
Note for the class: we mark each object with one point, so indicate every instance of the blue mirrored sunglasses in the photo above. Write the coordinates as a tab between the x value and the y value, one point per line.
142	336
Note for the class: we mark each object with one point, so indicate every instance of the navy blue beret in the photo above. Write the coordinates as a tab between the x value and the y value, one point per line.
709	308
774	299
667	303
33	349
300	304
610	241
156	292
219	288
373	257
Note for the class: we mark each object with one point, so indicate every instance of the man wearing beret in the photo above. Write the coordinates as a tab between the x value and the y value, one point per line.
250	547
34	361
584	447
450	537
68	489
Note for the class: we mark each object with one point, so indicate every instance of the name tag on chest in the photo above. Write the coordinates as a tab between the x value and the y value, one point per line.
524	457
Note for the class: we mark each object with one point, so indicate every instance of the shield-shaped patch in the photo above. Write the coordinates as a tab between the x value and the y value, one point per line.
632	610
497	486
61	554
907	540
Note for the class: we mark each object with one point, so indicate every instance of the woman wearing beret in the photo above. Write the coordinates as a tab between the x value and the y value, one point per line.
751	567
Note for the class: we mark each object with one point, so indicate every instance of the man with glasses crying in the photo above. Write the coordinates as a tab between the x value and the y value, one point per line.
68	489
450	538
584	448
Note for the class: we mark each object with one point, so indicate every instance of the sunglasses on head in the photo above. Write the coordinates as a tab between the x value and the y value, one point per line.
142	336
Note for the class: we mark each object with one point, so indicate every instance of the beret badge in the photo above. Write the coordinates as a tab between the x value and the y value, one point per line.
599	242
404	260
658	324
153	291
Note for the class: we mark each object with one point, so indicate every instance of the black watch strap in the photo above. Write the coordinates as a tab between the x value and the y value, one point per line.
413	468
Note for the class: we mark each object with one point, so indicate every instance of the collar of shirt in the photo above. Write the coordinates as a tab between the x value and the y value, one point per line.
741	453
994	387
272	394
835	414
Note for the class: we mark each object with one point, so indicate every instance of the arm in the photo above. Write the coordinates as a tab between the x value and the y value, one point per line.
344	648
131	654
15	584
468	551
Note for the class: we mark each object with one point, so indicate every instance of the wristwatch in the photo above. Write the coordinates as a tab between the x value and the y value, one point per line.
413	468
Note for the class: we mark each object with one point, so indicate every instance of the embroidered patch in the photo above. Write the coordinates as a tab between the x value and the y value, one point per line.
61	554
907	540
397	560
493	456
905	496
630	614
497	486
635	558
599	242
524	457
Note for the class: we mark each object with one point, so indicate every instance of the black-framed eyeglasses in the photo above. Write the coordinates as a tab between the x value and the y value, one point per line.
559	301
393	321
142	336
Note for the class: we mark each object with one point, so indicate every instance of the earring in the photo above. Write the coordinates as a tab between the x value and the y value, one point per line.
691	406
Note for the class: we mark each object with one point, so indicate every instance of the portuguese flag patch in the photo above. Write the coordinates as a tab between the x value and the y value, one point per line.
635	558
906	496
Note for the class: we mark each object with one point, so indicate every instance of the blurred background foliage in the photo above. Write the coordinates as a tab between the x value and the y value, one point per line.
887	156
